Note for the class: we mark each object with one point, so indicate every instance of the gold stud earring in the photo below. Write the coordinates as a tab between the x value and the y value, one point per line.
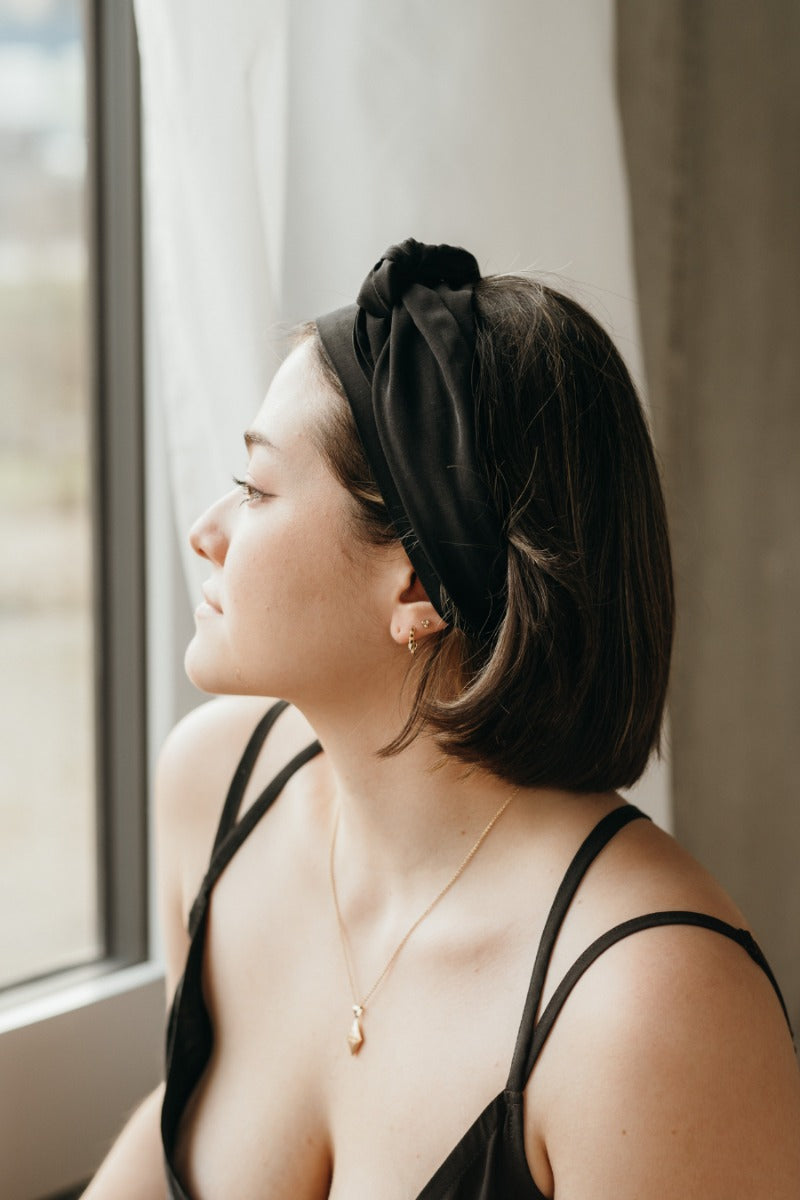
426	624
412	641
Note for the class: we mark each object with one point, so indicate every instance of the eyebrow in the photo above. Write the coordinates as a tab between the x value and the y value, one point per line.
253	438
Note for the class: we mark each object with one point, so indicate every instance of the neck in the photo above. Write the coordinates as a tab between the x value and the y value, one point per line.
405	820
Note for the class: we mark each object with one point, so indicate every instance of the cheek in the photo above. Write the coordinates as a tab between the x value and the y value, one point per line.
292	577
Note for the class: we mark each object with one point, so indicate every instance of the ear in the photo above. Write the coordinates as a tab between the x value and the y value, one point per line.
412	607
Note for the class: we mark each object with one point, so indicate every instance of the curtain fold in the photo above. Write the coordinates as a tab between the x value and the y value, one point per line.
711	112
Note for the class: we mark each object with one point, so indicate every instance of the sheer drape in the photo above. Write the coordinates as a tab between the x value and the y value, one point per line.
287	144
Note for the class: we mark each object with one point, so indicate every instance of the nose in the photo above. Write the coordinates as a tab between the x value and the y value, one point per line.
208	537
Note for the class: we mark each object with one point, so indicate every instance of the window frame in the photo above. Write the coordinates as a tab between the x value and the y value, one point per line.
114	234
79	1048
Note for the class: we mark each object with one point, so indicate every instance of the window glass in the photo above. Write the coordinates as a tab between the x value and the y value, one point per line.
48	874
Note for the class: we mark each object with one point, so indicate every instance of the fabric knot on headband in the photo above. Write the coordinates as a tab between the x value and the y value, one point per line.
404	354
414	262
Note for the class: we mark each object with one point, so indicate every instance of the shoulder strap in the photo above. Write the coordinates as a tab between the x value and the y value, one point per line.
230	844
231	833
625	929
597	839
241	776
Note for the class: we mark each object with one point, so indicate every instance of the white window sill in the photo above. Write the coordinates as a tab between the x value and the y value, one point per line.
74	1062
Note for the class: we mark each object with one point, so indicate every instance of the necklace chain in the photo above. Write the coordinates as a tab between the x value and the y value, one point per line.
356	1036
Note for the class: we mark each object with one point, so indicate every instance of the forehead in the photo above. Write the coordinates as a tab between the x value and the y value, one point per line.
296	401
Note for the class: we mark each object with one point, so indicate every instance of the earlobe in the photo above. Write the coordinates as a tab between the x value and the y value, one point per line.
414	619
414	622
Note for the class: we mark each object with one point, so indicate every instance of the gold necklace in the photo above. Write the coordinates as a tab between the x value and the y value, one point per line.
355	1038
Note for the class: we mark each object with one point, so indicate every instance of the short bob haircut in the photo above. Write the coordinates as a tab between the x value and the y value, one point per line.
569	691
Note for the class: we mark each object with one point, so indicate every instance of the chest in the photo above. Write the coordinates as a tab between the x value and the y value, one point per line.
283	1109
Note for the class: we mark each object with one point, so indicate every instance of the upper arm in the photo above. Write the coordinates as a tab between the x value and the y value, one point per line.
193	773
671	1073
170	787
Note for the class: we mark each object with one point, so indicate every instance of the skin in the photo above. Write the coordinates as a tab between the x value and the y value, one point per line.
670	1072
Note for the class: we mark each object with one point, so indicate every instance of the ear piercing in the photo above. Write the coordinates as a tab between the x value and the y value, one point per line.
412	635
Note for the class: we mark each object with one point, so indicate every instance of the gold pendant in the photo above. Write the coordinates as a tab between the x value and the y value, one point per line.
355	1038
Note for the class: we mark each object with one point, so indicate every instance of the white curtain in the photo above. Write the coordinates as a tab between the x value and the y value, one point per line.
288	143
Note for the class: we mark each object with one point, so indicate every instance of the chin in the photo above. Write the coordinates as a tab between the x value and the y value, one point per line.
203	674
218	678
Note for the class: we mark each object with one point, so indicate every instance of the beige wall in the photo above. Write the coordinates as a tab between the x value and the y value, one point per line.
711	115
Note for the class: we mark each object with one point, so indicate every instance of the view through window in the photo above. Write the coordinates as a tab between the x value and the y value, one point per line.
48	873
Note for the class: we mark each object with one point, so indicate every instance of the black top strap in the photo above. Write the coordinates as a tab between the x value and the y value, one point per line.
233	801
233	836
625	929
189	1033
596	840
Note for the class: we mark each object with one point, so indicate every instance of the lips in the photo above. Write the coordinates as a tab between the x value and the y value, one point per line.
210	600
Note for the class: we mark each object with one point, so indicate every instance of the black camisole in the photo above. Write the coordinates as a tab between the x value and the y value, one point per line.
489	1162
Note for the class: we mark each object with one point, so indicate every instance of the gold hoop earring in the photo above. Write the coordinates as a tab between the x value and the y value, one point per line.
412	641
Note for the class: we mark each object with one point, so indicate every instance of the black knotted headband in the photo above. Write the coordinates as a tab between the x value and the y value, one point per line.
404	354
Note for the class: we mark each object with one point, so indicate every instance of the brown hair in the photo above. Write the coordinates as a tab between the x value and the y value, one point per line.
569	692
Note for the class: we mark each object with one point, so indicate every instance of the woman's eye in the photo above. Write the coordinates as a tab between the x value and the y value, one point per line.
249	492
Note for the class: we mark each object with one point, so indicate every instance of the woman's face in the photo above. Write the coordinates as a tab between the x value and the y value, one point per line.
284	602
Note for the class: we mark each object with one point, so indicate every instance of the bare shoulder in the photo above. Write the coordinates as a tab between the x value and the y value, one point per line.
670	1070
195	768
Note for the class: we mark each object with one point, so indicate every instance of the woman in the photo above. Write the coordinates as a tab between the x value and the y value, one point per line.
435	954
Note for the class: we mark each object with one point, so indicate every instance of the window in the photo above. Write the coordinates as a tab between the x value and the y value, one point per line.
46	691
70	474
73	851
